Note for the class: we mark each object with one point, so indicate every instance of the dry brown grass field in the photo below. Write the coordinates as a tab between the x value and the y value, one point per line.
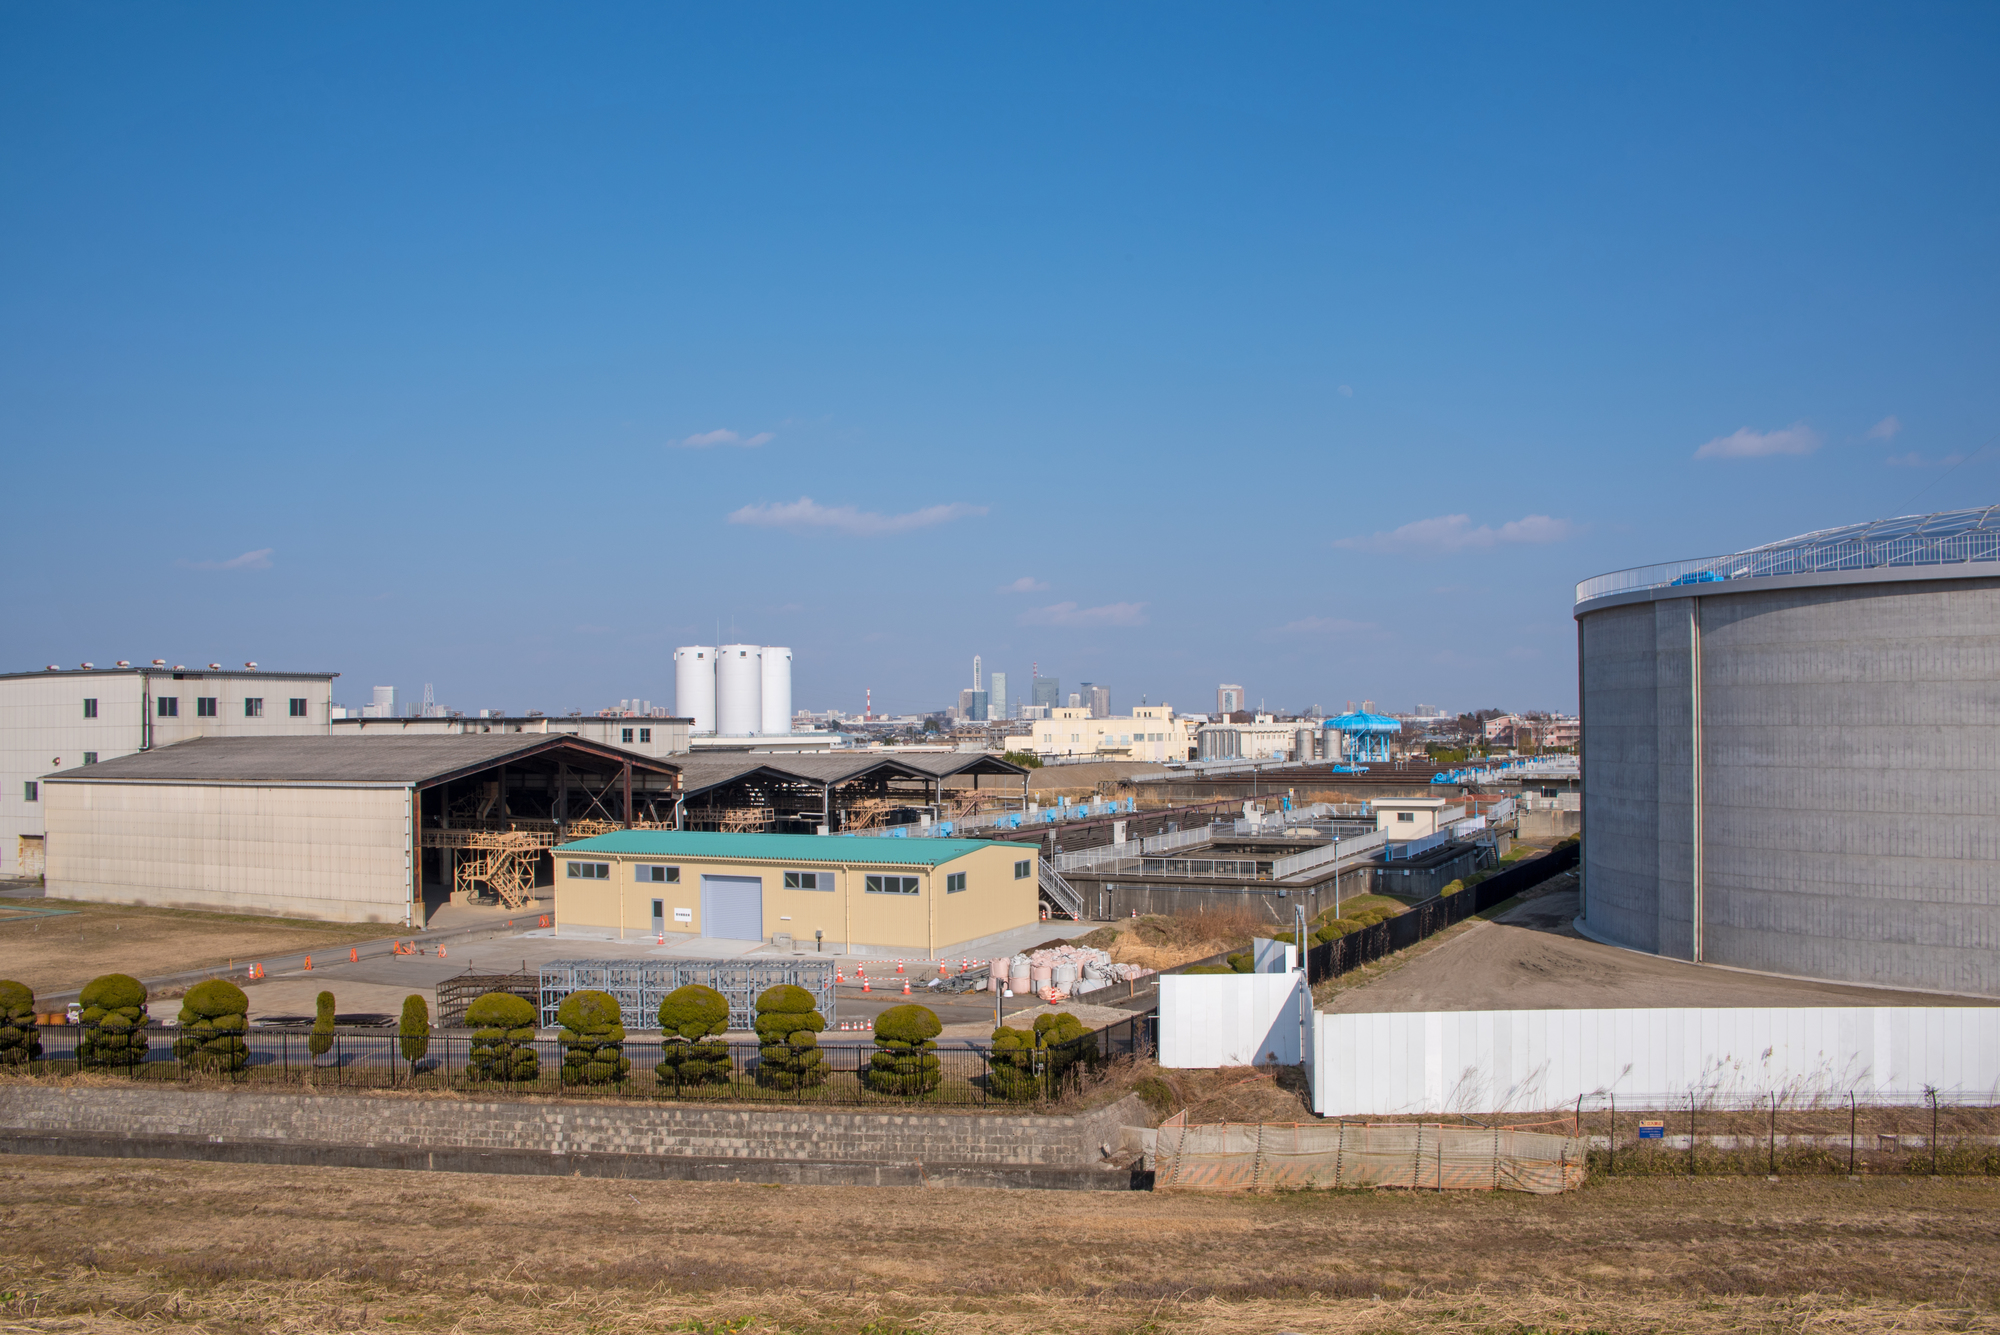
66	950
94	1245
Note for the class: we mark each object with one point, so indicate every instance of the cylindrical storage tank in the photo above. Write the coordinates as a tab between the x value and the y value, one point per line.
694	685
777	687
1781	751
1332	744
739	689
1302	744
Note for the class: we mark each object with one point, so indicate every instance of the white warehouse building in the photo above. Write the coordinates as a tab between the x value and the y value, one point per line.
67	718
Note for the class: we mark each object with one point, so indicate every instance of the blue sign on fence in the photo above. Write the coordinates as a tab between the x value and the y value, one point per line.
1652	1130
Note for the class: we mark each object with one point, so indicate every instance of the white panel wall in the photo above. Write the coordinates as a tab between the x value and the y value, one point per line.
1236	1019
309	852
1509	1061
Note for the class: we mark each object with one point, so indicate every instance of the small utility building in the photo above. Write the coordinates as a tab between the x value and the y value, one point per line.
861	895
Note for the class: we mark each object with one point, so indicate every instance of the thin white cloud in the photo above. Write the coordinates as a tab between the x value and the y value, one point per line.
1743	443
1916	460
1345	391
257	560
709	439
805	515
1025	584
1069	614
1455	533
1886	429
1319	626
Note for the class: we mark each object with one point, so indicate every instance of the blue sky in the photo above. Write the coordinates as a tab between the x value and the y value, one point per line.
1322	350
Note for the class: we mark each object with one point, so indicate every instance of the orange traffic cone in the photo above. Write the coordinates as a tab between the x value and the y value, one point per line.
864	983
838	979
309	962
354	955
906	987
440	950
940	968
899	966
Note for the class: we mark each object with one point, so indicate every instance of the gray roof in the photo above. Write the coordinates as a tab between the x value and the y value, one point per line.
191	674
420	759
702	772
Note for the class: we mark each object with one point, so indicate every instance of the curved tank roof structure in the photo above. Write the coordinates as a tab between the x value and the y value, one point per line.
1359	722
1948	537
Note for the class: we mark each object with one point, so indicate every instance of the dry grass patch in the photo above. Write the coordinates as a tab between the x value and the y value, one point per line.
59	952
96	1245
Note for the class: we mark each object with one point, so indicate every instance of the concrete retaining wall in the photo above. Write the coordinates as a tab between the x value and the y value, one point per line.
638	1140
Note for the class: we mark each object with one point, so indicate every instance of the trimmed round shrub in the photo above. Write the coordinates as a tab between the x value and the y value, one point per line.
114	1024
413	1035
789	1025
593	1039
321	1041
1064	1042
214	1017
1012	1065
20	1039
905	1059
691	1019
503	1039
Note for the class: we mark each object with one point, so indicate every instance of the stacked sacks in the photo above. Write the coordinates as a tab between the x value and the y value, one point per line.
1061	971
690	1018
20	1041
905	1060
789	1025
114	1024
214	1017
593	1039
503	1039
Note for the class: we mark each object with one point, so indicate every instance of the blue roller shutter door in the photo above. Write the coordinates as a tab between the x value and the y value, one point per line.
732	907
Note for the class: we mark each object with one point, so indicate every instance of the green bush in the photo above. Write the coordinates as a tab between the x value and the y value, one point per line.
1335	928
321	1041
1242	961
503	1039
20	1040
691	1018
905	1059
114	1024
593	1039
214	1017
414	1033
1023	1062
789	1025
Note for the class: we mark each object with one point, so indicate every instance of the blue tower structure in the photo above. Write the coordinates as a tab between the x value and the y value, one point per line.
1364	736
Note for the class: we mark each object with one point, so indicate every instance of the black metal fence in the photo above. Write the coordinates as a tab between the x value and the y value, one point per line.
1925	1133
1344	954
964	1074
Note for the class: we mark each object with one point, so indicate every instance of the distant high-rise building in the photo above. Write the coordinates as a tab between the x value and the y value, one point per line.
1048	692
1075	700
972	705
975	672
996	695
1228	699
1097	699
384	704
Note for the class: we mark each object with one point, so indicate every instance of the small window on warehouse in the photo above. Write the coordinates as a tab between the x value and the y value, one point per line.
625	735
1406	815
90	708
206	706
652	873
31	791
1024	869
590	871
90	757
253	706
954	883
645	734
297	707
890	885
808	880
170	706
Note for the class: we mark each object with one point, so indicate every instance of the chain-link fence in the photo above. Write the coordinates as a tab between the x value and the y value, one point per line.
1923	1132
1422	1156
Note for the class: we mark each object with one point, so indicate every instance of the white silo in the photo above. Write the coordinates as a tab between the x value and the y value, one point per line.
777	688
739	689
694	685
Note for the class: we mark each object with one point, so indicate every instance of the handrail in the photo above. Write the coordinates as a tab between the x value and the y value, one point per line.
1325	853
1808	558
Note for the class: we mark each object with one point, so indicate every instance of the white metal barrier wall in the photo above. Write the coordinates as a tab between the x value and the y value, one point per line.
1232	1019
1520	1061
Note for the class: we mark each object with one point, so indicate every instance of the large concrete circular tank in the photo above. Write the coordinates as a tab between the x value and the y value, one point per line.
739	689
694	685
1787	755
777	690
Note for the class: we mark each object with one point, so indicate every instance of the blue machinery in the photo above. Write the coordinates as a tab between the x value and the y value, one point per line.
1362	737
